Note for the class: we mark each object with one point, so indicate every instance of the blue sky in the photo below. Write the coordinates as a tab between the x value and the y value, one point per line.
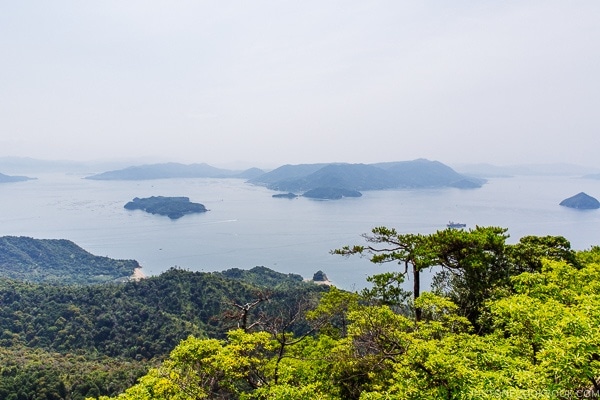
274	82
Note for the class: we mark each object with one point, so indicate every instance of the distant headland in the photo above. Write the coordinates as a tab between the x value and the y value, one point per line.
59	261
8	178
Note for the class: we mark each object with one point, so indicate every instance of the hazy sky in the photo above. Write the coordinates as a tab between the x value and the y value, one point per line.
274	82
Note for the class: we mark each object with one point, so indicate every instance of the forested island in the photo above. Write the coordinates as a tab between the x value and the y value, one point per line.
172	207
581	201
331	193
501	321
285	196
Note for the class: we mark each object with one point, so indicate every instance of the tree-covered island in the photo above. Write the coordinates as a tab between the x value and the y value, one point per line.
172	207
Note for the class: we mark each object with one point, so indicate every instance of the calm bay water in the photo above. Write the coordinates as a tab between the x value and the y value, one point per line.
246	227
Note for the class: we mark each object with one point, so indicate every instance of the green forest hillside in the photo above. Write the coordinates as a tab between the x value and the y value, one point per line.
91	340
58	261
503	321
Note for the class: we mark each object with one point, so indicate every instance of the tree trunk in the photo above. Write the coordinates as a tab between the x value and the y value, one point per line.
416	290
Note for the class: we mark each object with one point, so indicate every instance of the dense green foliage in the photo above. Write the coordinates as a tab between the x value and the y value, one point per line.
58	261
120	330
474	263
142	319
262	277
27	373
540	312
503	321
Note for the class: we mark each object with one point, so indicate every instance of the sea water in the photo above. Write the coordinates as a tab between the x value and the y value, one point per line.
246	227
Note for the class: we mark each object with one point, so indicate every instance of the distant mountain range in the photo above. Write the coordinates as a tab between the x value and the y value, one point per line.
25	165
419	173
174	170
592	176
302	177
557	169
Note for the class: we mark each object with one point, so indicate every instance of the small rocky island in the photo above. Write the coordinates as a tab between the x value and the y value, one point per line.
581	201
172	207
320	277
285	196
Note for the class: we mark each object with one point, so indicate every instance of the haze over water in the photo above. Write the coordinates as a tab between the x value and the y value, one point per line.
272	82
246	227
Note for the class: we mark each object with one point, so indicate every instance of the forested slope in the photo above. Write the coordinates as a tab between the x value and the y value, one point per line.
509	321
58	261
33	373
127	325
502	321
